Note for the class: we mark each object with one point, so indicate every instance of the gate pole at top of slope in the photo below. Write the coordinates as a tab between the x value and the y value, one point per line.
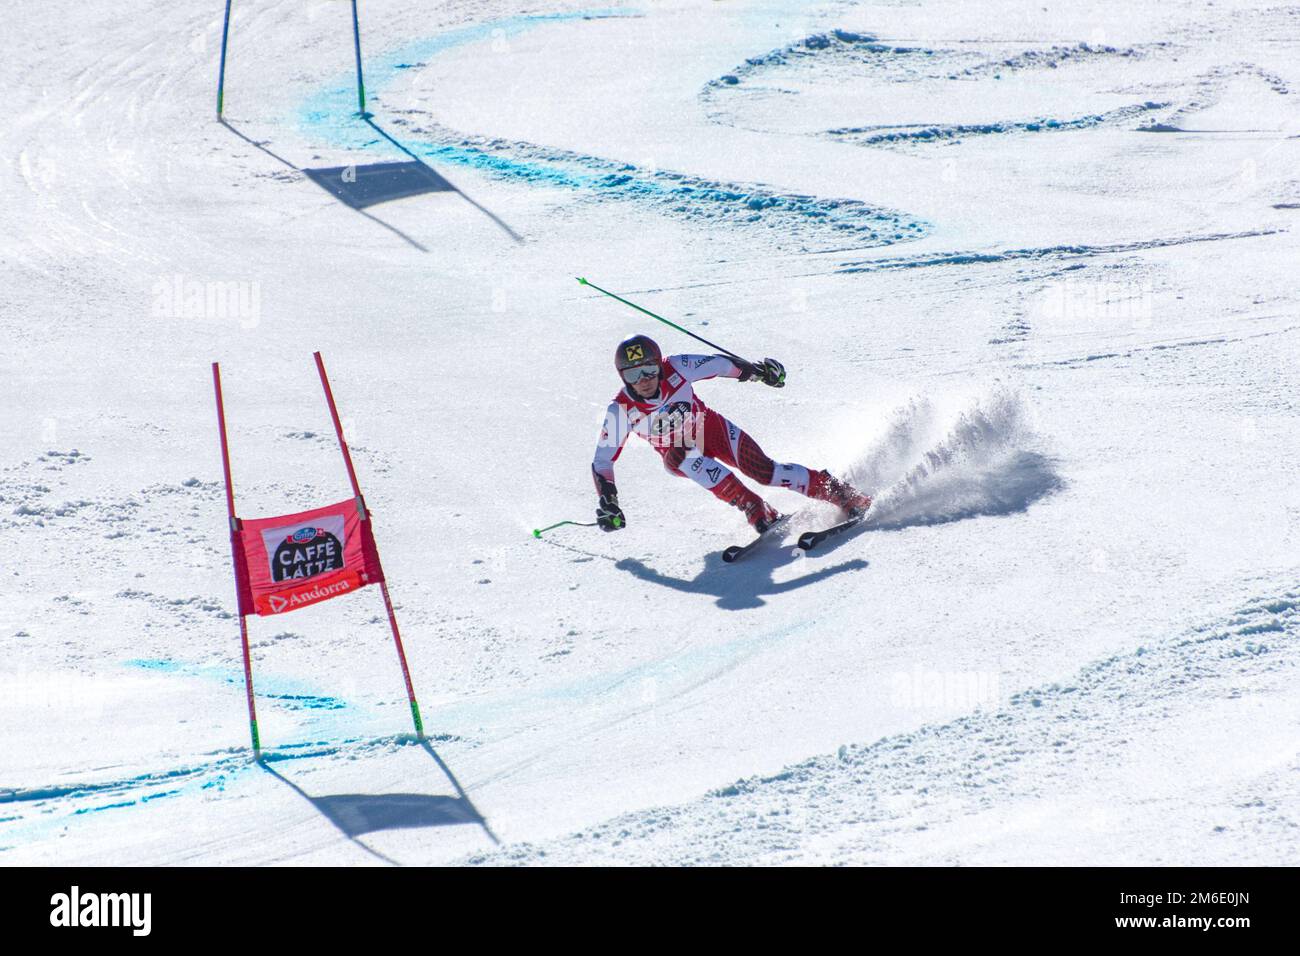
221	73
356	43
365	516
235	547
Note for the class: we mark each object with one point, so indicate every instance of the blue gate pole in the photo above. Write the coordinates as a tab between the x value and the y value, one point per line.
356	40
221	76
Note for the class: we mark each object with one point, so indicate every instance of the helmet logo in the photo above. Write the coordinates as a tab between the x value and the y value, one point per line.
634	353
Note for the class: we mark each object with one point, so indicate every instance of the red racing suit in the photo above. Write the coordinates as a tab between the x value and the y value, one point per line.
694	441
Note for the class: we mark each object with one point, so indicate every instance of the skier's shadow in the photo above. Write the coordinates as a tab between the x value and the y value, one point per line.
356	814
742	585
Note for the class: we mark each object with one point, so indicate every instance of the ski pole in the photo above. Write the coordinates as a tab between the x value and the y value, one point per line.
700	338
538	532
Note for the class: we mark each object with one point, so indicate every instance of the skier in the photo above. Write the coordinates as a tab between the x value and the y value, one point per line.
659	404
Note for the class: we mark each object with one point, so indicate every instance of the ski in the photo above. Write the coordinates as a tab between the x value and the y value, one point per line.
810	539
738	551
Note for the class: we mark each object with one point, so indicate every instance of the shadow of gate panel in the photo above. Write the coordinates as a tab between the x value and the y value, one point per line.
368	185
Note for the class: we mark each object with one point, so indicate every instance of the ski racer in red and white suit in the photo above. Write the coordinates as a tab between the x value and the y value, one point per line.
659	404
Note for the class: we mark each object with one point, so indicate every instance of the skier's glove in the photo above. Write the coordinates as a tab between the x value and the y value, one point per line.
769	372
609	516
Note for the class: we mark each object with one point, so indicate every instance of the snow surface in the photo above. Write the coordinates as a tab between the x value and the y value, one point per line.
1032	270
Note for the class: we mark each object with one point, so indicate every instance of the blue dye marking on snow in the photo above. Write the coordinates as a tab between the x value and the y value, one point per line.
308	700
1042	252
156	665
872	136
863	50
339	99
804	220
913	64
797	221
229	767
291	694
107	806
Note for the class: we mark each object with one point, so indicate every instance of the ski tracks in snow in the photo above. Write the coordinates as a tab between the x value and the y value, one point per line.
1009	782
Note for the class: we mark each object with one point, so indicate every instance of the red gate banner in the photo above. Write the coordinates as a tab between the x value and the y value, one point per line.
291	561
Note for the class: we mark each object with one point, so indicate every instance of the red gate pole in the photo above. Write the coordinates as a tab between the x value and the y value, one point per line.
365	516
234	555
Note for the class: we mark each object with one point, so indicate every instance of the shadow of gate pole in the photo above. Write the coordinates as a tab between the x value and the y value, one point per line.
463	195
356	814
360	186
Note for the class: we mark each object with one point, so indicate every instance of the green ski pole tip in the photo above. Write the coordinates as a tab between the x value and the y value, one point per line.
537	532
581	281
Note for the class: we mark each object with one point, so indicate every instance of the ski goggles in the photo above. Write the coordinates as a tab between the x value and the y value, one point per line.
637	372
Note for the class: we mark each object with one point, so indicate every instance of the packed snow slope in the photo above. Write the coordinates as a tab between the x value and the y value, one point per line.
1032	271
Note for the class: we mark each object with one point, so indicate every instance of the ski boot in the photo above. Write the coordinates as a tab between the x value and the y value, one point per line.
826	487
758	512
761	516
